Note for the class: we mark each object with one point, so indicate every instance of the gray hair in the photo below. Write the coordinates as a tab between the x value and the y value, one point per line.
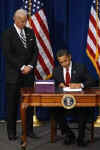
20	12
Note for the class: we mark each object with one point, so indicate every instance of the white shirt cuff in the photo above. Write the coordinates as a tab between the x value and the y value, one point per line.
82	85
30	66
22	68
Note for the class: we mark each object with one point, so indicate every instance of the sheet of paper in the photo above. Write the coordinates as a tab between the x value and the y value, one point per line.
68	89
44	82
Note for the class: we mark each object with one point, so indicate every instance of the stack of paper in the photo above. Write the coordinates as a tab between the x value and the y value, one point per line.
45	86
68	89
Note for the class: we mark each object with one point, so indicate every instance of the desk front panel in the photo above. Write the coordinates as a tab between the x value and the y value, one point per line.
53	100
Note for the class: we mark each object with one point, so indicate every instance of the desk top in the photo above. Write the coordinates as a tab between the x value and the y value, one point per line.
88	97
29	91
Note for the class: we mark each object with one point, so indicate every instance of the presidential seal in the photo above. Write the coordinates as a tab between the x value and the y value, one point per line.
68	101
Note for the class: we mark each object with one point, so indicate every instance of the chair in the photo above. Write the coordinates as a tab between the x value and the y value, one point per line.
55	127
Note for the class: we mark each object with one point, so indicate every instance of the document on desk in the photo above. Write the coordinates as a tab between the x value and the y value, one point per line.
68	89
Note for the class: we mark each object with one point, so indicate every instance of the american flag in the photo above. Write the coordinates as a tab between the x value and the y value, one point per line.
38	22
93	38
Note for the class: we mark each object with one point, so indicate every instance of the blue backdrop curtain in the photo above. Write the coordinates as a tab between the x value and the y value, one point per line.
68	24
7	9
78	27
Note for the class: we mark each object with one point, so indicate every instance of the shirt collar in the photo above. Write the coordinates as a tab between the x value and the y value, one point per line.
17	29
70	67
64	70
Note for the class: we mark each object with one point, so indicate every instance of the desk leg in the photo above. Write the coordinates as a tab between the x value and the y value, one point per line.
53	129
23	108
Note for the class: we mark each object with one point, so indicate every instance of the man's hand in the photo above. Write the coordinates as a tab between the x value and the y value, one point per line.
62	85
75	85
26	70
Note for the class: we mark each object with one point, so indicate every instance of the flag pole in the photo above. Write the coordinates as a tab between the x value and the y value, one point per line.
36	122
97	122
29	8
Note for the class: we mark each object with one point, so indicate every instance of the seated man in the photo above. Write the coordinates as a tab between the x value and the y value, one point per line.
73	75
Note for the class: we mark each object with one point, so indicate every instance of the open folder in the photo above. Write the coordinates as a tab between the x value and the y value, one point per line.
68	89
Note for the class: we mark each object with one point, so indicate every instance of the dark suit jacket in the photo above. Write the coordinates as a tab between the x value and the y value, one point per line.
16	55
79	74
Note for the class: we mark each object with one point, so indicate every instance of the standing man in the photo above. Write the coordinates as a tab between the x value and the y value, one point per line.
73	75
20	51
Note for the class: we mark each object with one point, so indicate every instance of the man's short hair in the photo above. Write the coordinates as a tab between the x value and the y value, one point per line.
62	52
20	12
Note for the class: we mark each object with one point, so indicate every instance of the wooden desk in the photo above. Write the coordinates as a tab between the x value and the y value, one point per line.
88	98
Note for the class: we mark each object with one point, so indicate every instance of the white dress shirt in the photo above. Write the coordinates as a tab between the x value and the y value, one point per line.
70	71
19	31
64	71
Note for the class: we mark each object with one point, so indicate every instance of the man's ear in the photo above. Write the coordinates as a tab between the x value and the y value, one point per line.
70	57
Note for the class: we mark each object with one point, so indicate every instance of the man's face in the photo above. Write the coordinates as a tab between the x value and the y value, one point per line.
20	21
64	61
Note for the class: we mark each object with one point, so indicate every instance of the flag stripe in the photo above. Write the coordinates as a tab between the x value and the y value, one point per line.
90	51
40	70
41	32
47	62
93	38
45	68
42	25
91	35
37	74
93	27
38	22
43	17
41	42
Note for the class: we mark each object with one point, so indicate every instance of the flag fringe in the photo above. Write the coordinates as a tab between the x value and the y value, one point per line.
94	62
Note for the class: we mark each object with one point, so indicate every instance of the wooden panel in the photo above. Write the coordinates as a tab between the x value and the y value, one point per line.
90	97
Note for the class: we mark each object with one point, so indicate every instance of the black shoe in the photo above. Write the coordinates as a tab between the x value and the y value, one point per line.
82	142
12	137
69	139
63	131
32	135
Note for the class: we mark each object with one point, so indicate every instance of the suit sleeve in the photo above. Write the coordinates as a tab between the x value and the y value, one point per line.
9	53
88	80
57	76
32	44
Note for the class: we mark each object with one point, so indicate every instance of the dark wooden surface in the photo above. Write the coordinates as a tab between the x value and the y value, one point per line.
86	98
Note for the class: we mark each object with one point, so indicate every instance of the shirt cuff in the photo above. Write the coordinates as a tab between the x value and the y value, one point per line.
30	66
82	85
22	68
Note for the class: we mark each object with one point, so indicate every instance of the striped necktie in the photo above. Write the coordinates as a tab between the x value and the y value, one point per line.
23	38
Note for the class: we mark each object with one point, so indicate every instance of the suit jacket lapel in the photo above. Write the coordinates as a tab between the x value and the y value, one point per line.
16	35
26	34
15	32
74	70
61	76
75	74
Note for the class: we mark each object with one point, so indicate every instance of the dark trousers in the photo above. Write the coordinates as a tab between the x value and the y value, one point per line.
13	99
82	116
